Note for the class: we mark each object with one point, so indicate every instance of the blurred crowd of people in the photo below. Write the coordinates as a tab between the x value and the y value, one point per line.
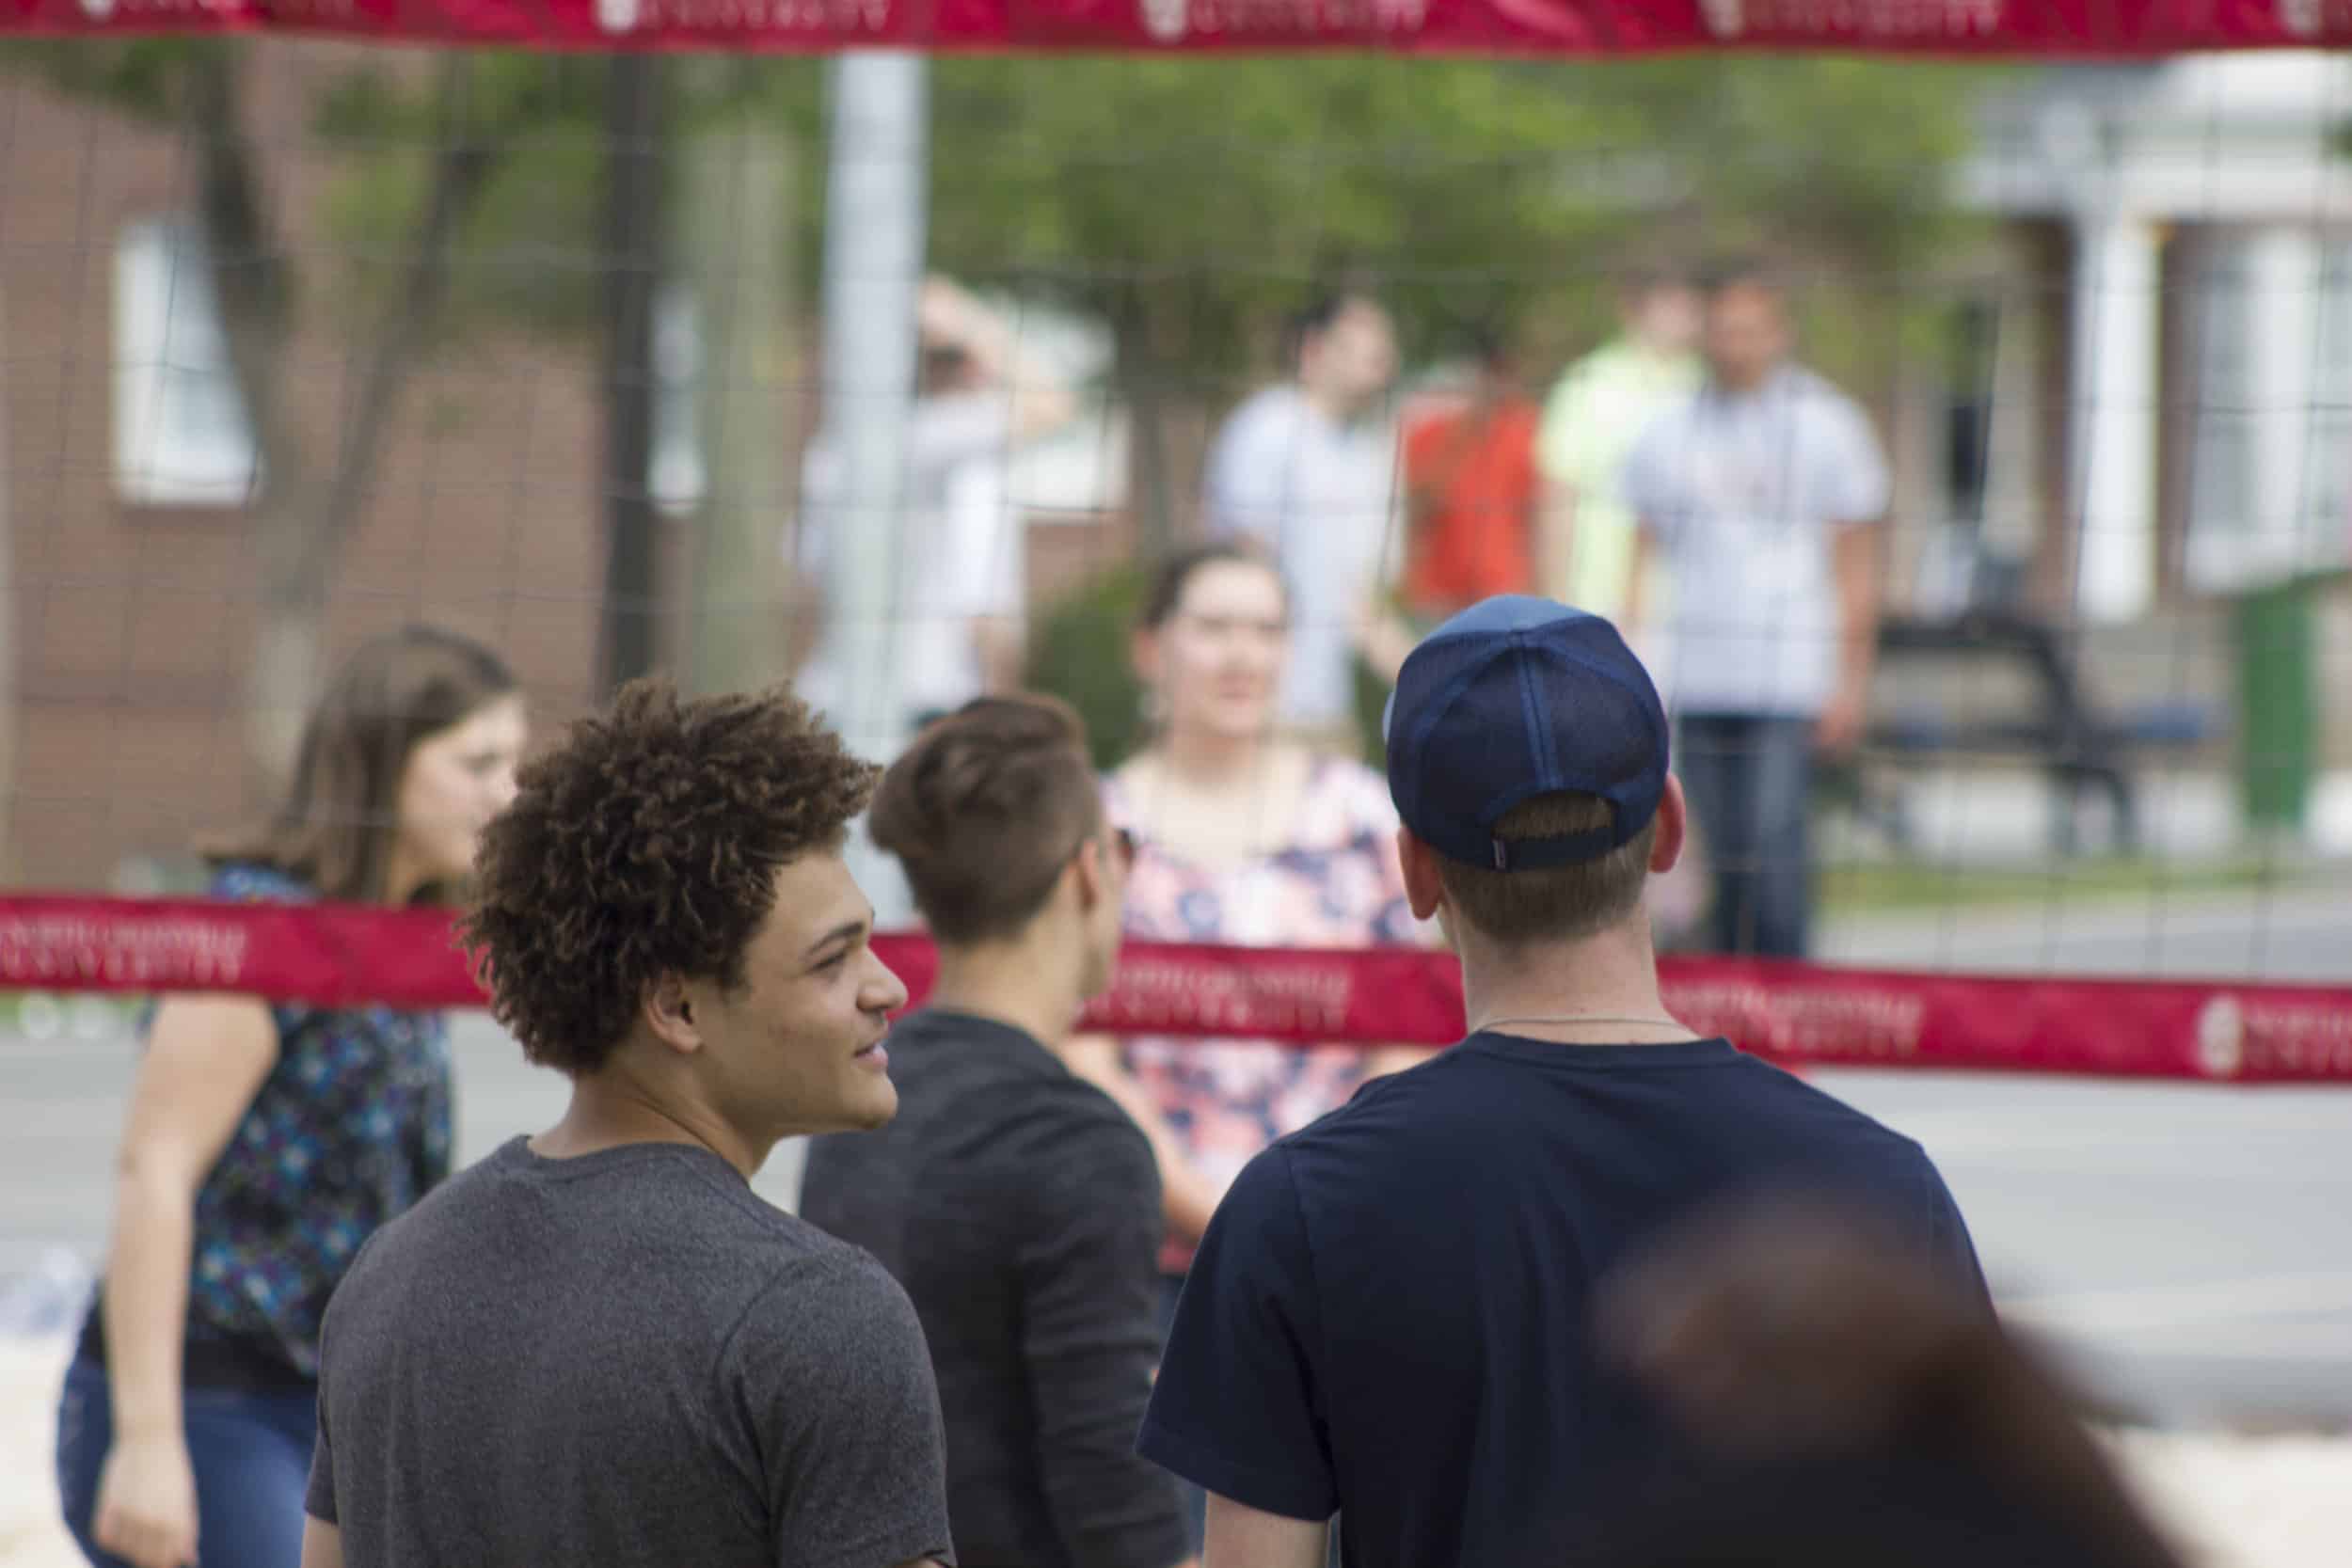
1687	478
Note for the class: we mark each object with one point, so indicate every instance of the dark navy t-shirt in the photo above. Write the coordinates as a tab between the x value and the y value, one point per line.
1389	1315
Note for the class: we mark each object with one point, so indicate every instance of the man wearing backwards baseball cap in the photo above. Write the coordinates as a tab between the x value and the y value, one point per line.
1387	1319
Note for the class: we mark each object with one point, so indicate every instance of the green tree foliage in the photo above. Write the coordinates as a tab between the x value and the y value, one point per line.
526	256
1206	194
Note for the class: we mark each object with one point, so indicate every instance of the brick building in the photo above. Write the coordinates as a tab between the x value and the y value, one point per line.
132	602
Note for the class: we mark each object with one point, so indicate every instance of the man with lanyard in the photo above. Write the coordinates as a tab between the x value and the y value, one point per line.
1390	1317
1763	491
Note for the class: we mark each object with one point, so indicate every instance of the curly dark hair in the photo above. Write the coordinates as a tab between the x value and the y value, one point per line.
647	843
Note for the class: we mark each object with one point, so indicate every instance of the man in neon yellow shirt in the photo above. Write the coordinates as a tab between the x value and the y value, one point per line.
1586	532
1601	405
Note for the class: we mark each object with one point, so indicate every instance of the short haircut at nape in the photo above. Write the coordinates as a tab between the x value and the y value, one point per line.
984	810
1557	903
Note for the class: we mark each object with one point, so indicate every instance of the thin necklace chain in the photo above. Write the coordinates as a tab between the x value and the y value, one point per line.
1653	1022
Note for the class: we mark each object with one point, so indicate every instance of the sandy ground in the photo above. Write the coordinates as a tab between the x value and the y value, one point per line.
2282	1501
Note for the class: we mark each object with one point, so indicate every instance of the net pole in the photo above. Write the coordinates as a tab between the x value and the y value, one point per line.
875	214
634	120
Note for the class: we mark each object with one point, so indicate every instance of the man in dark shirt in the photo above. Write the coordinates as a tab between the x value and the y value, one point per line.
598	1346
1391	1315
1017	1204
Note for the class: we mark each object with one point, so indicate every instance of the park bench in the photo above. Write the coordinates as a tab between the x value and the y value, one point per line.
2081	746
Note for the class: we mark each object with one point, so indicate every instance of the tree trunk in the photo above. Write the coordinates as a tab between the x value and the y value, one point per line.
1149	501
12	701
634	156
252	285
740	182
303	514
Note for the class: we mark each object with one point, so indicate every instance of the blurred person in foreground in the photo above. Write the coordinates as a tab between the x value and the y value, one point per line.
1852	1409
1242	837
265	1142
1016	1202
1389	1317
598	1345
1766	491
1471	494
1307	468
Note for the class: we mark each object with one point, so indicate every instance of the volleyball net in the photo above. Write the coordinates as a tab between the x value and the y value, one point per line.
562	348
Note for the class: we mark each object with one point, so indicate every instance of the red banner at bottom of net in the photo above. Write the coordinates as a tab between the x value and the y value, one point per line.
335	955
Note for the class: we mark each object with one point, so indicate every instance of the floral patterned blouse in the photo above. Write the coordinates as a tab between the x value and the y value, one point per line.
1335	883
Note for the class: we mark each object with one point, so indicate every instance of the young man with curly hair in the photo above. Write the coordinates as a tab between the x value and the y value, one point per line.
598	1346
1016	1202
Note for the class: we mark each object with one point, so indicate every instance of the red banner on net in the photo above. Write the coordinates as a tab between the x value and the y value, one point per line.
343	955
2105	29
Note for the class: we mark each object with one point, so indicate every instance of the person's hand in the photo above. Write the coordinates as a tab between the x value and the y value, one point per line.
1783	1326
945	311
146	1503
1839	728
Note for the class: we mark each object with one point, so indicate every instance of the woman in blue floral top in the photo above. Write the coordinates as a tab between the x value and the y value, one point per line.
265	1143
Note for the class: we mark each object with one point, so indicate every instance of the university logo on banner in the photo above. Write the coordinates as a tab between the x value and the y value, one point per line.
1171	20
1166	21
618	16
2222	1037
98	10
1725	19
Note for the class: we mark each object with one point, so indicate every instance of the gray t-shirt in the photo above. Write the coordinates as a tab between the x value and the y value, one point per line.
623	1358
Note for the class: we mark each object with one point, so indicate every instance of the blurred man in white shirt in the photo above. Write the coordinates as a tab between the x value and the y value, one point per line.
1308	467
961	595
1765	491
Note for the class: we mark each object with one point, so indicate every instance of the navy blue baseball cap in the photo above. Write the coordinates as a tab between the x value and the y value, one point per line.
1518	697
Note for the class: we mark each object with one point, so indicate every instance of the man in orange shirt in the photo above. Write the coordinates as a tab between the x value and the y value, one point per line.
1470	491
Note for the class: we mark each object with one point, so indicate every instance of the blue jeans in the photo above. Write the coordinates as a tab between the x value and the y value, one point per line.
252	1457
1749	783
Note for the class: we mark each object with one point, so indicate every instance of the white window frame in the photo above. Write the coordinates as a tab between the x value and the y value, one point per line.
676	474
182	433
2227	551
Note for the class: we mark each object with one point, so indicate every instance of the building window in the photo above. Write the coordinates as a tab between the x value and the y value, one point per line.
2271	399
180	434
2222	450
2328	485
678	479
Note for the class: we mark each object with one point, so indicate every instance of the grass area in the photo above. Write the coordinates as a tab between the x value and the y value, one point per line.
1892	886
